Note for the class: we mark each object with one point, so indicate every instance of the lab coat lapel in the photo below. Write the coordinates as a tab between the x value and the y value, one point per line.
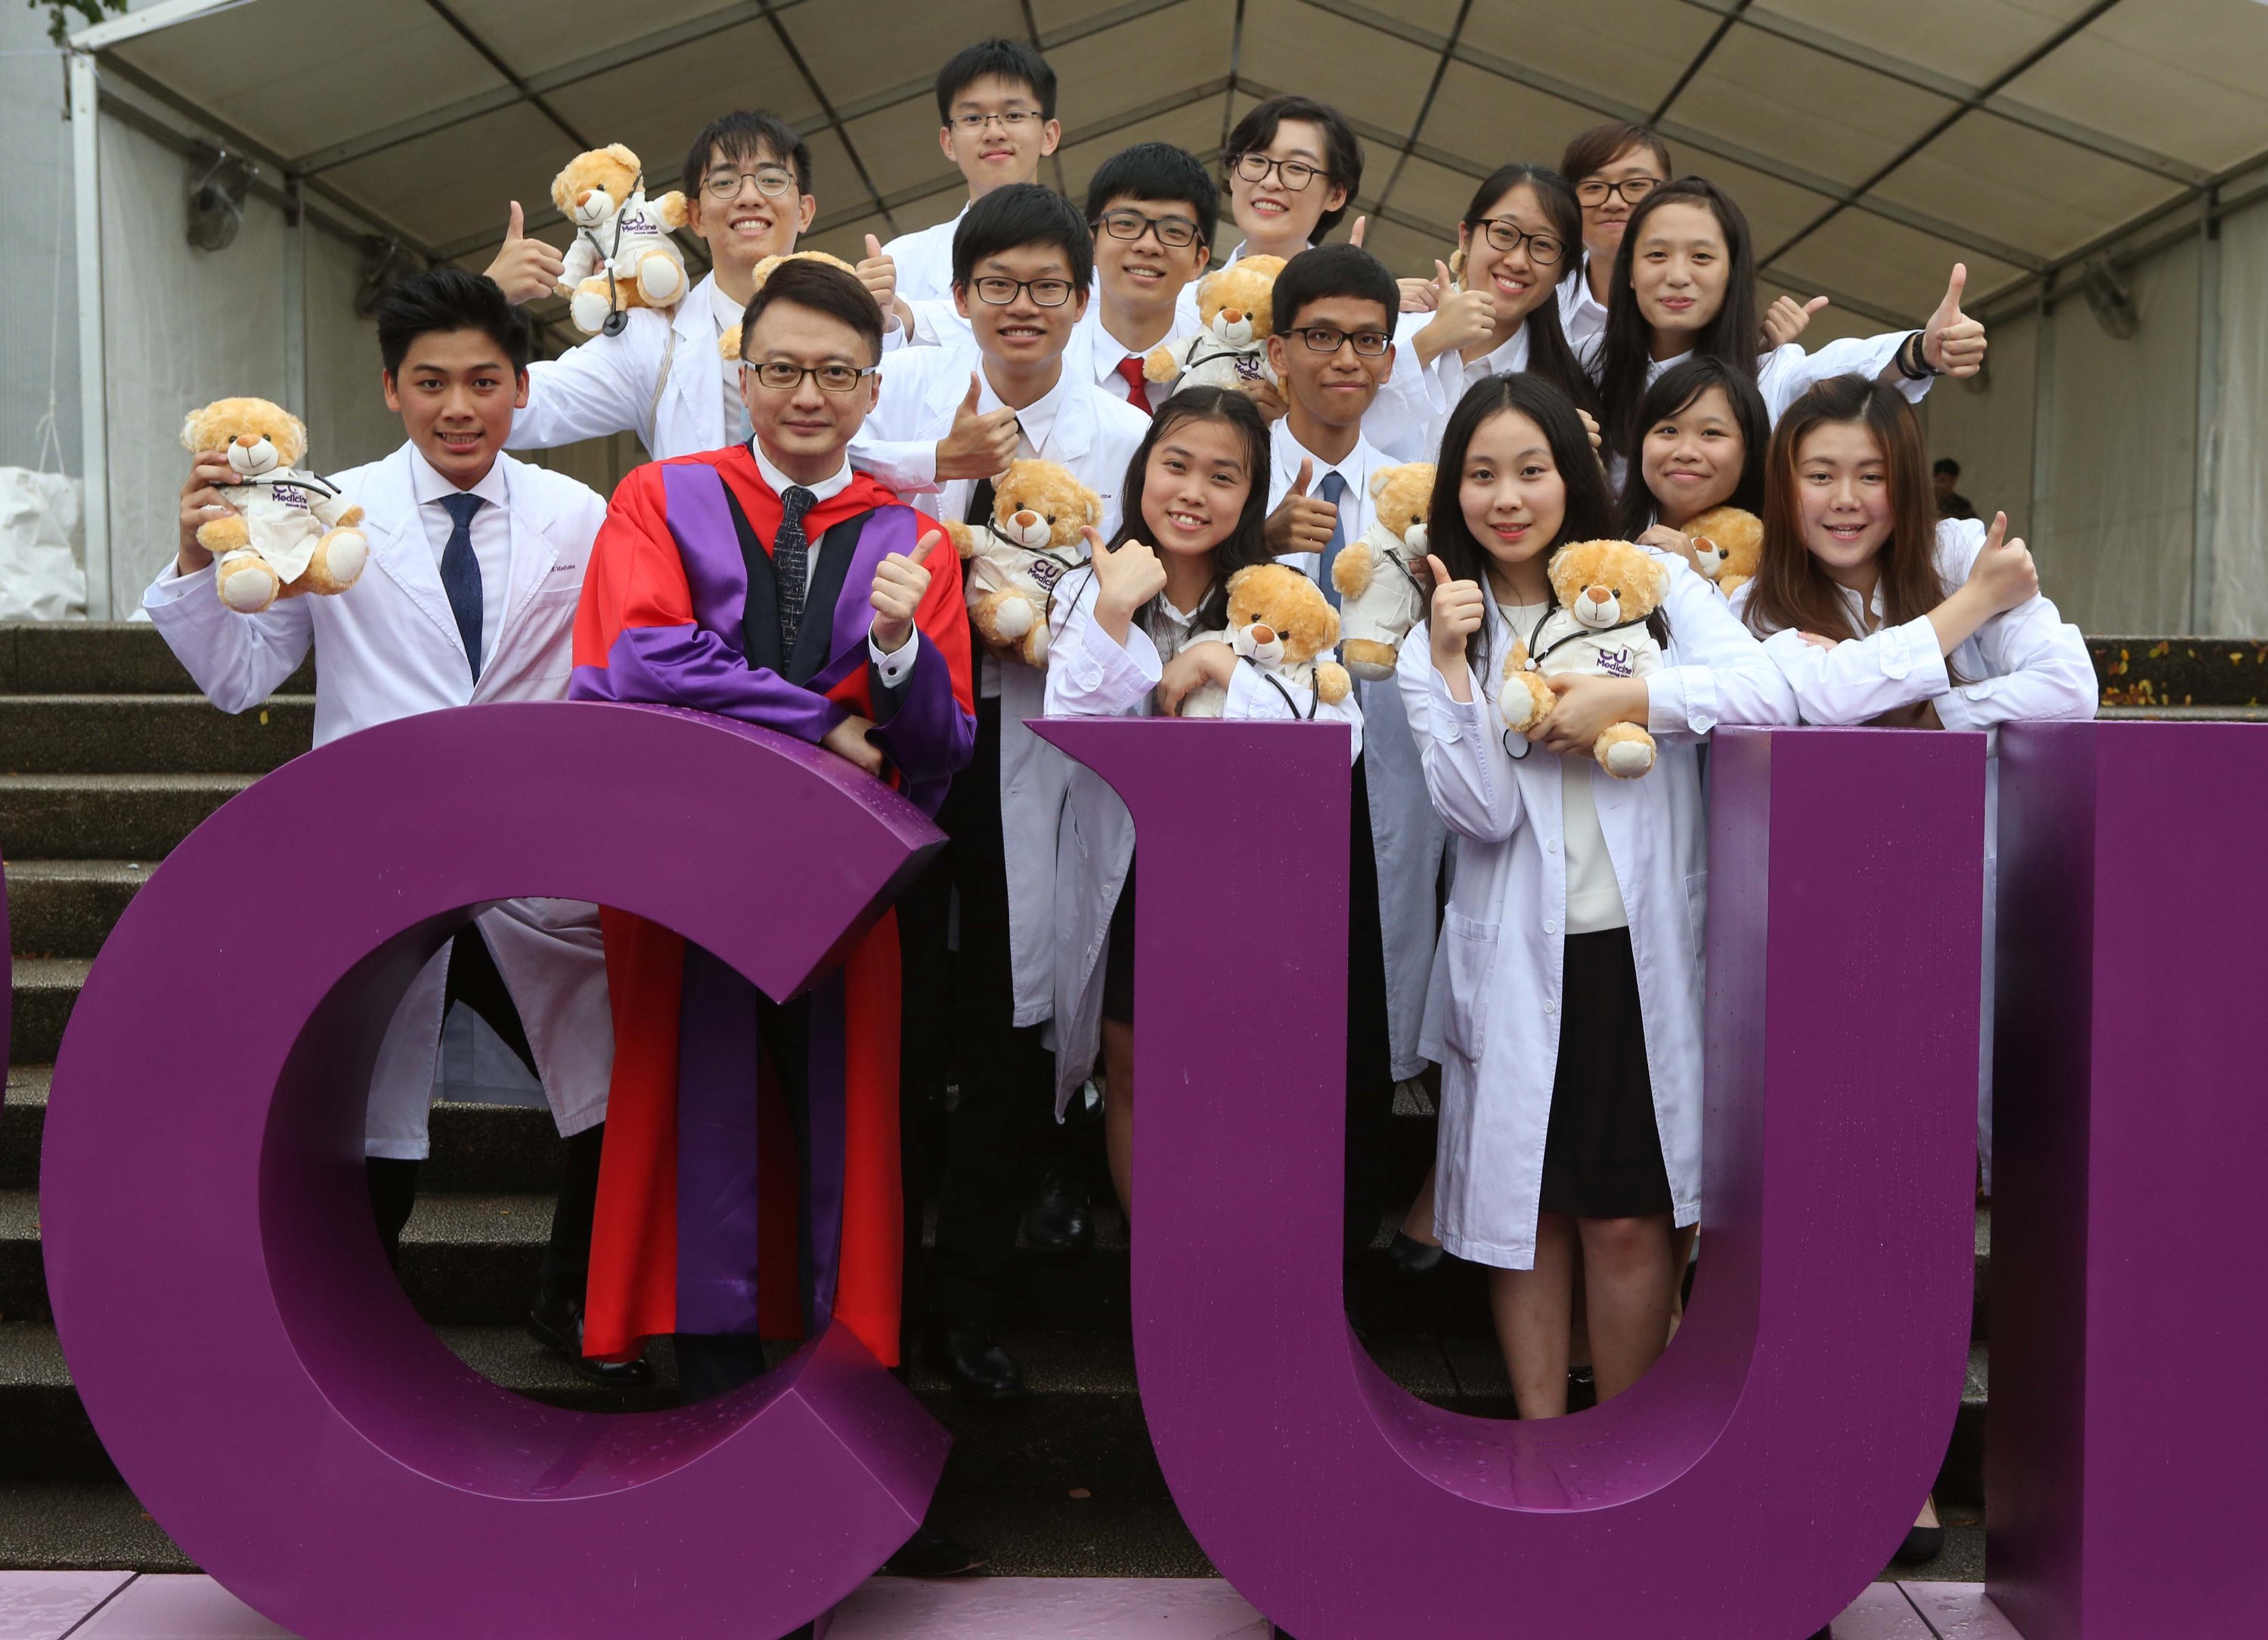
533	552
696	341
398	542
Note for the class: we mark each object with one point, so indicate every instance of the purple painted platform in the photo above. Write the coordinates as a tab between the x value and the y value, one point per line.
48	1604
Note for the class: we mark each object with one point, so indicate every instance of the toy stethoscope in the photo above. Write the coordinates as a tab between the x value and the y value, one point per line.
618	317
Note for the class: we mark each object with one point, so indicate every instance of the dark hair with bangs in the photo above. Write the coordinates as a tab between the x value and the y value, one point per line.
822	288
743	137
1245	545
1595	148
1671	395
1341	148
1156	174
1733	334
1549	354
996	59
450	299
1023	213
1318	274
1589	515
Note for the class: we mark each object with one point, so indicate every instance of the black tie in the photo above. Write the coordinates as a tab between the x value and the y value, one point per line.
789	553
460	572
980	504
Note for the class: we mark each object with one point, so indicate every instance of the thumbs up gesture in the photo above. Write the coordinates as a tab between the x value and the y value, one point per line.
1125	578
1787	319
879	274
2003	574
1460	318
900	582
981	443
1952	342
525	269
1301	523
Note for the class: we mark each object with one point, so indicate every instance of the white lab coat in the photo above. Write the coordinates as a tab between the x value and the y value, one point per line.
2025	665
661	379
1407	837
1091	676
1094	435
1492	1011
924	259
389	648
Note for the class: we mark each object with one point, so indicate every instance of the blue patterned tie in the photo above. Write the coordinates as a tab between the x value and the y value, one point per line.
789	555
1333	490
460	572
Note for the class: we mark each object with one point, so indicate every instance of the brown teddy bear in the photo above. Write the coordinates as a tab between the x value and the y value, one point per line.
1605	592
1280	621
1232	350
1380	596
1729	546
291	532
1012	568
728	342
623	257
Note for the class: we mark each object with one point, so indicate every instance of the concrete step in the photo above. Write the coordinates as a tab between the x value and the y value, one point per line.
45	987
101	658
67	907
137	817
148	734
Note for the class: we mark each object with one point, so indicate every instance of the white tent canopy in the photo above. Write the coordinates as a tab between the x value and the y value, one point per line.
1872	146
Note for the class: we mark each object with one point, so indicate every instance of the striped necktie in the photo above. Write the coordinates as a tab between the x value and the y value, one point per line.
791	563
460	572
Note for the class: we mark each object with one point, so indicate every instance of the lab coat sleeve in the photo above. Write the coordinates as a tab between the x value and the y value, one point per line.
2037	666
1468	774
939	323
1090	674
594	389
1721	674
1859	680
239	661
1251	697
1786	372
898	443
1403	419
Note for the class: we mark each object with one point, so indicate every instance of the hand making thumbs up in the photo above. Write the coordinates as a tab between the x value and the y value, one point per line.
981	443
1952	342
900	582
525	269
1301	523
878	273
1460	318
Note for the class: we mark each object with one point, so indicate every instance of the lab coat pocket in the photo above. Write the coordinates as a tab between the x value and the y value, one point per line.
1697	912
1468	963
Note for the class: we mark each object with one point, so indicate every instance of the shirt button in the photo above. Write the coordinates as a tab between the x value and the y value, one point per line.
1552	848
1550	927
1551	1008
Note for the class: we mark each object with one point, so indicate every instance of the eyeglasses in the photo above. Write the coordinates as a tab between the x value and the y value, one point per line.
1592	191
1174	232
726	184
1326	339
999	290
1011	121
1543	249
1294	174
782	377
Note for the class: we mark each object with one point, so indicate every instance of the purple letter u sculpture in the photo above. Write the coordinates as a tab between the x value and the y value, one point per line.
252	1368
1760	1476
2131	1130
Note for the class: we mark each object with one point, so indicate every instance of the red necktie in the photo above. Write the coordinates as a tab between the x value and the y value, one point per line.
1138	385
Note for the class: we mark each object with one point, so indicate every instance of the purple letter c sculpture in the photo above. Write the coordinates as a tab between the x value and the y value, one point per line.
253	1369
1761	1475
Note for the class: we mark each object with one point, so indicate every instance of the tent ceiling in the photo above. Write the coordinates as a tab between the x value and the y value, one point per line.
1870	144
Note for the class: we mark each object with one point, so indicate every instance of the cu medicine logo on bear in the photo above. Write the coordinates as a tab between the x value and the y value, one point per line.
1616	662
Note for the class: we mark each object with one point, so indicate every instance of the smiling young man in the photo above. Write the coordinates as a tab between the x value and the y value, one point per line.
1153	210
950	419
475	564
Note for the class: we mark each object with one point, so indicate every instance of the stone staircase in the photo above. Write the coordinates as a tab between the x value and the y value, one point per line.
109	758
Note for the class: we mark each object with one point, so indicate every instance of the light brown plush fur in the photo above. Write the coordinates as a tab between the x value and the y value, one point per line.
729	342
1012	568
256	545
1228	353
1729	541
1378	602
631	235
1637	581
1271	601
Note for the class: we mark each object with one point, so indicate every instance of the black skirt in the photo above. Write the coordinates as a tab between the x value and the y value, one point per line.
1602	1147
1118	959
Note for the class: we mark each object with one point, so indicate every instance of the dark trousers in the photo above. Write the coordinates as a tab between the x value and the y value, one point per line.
474	980
1002	1132
1369	1049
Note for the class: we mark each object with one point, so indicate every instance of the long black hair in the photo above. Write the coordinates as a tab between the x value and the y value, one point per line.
1590	510
1243	546
1671	395
1734	335
1549	355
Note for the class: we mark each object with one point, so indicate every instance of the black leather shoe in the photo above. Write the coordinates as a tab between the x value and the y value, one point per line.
979	1368
1409	1256
928	1553
557	1324
1061	1220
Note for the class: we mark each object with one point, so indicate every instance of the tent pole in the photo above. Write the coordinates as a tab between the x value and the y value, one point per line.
295	300
2207	499
94	434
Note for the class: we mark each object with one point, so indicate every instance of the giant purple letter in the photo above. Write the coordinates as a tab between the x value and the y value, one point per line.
1761	1474
250	1363
2130	1134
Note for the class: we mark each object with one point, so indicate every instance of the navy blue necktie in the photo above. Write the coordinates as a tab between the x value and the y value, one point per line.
789	559
1333	490
460	572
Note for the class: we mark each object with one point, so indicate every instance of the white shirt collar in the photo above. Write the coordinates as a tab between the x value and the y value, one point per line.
1289	452
429	485
1037	419
833	485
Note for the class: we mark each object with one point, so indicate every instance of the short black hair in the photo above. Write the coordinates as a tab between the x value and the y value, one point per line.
1946	464
1157	174
1596	147
820	287
996	59
745	137
1328	270
450	299
1341	148
1021	214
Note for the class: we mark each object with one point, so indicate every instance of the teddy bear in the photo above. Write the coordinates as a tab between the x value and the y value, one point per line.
1729	545
1010	567
1380	596
291	532
1232	350
1280	621
728	342
623	257
1605	590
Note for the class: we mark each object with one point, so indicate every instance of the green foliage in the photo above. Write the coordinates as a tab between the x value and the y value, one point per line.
63	16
